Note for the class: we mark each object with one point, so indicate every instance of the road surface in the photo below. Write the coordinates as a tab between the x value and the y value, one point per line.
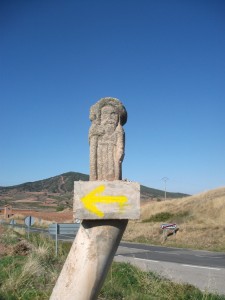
203	269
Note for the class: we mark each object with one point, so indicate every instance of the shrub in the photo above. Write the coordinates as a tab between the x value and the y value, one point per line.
22	248
168	217
60	207
160	217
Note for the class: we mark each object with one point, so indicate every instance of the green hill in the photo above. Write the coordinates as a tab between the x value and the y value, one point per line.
147	192
57	184
63	184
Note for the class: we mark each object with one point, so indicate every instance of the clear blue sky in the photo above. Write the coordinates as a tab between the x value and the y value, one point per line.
165	60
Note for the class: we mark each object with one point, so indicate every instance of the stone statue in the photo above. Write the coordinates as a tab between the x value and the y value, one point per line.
107	139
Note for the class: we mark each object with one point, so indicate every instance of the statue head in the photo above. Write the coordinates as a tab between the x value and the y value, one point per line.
108	111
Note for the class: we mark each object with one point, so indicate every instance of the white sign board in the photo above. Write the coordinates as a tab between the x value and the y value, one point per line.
169	226
106	200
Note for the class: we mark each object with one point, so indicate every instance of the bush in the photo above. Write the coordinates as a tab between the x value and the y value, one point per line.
167	217
160	217
60	207
22	248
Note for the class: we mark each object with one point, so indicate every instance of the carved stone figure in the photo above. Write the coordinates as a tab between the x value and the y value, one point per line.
107	139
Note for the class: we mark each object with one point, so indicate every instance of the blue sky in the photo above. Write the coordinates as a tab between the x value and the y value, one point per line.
165	60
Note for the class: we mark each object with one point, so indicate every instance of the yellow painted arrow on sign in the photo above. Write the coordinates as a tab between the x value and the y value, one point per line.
94	197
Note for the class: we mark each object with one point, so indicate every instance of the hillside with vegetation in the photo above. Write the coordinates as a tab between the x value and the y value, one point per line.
57	184
155	194
57	192
200	219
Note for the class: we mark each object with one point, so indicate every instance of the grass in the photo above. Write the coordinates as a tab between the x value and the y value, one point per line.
29	272
32	274
125	282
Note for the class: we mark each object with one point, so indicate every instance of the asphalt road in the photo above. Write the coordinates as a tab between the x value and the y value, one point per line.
175	255
203	269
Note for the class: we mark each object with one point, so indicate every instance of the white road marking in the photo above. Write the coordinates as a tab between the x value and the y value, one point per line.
146	259
184	265
149	260
193	266
164	252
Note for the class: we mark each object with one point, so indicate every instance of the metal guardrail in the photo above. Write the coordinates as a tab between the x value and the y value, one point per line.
68	230
64	228
55	229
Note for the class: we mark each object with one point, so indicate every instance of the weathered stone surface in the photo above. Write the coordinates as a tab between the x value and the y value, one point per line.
107	139
94	200
89	259
99	203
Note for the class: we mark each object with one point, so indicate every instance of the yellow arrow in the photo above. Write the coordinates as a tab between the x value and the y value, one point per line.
94	197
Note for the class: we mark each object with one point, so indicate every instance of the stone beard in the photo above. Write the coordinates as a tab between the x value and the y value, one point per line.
107	139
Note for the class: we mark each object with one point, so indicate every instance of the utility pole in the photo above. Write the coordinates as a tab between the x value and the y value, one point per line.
165	180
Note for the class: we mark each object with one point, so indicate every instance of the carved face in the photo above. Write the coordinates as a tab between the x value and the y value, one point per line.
109	115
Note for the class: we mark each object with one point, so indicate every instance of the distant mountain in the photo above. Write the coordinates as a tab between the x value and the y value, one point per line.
57	184
147	192
64	184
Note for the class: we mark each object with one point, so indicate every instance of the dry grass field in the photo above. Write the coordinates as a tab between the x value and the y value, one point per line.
200	218
65	216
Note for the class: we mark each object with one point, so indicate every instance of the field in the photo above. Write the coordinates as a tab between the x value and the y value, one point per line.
200	219
29	270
